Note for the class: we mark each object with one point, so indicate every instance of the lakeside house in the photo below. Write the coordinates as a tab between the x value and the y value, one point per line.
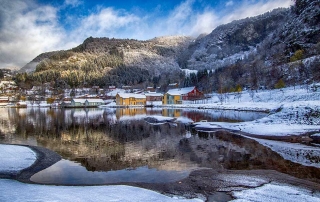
82	102
126	99
176	96
4	101
153	98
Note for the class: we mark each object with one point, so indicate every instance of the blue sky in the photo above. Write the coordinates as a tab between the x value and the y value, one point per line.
30	27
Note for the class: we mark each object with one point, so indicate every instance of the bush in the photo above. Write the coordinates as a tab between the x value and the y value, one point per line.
280	84
298	55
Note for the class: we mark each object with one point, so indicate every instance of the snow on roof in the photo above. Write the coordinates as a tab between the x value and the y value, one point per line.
95	100
150	94
79	100
129	95
180	91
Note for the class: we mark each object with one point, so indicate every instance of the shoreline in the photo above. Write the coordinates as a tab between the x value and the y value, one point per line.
204	182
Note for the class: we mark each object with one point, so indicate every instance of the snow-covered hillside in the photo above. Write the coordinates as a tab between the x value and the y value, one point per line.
291	111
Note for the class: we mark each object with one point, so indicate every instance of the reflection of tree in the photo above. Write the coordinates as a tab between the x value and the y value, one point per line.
100	143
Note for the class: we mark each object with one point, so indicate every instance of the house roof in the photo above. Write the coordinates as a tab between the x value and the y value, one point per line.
153	94
95	100
79	100
89	100
180	91
133	95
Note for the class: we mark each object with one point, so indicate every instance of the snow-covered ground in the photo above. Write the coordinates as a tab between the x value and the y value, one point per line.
293	111
252	188
11	190
260	189
15	158
276	192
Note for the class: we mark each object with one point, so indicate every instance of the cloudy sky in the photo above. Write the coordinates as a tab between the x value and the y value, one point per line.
31	27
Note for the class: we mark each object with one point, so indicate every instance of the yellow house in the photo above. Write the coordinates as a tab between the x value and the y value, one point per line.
126	99
175	96
171	99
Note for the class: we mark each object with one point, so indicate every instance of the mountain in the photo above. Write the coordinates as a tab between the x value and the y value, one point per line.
281	45
104	61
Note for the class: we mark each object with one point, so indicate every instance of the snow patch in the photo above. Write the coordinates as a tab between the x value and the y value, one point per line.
15	158
11	190
276	192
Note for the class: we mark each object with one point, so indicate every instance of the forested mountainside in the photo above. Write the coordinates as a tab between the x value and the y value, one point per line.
281	47
104	61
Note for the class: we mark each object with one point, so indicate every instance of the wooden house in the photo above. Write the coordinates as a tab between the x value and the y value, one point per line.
93	102
4	101
176	96
83	102
126	99
153	98
78	102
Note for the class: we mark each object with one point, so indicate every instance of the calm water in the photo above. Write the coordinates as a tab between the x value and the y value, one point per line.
101	146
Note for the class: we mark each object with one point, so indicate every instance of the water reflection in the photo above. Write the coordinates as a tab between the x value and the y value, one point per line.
70	173
117	145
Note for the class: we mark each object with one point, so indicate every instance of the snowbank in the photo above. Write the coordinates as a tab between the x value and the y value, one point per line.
15	158
296	112
11	190
276	192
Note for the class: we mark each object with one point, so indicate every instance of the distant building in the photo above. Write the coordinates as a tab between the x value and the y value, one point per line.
176	96
151	89
4	101
82	102
153	98
126	99
111	88
173	85
93	102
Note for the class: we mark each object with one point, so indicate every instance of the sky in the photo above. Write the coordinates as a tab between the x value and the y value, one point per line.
31	27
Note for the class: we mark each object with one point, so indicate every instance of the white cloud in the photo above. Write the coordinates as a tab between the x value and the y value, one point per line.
72	3
254	8
107	22
229	3
28	29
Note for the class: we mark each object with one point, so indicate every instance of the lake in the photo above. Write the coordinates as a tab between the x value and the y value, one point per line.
101	146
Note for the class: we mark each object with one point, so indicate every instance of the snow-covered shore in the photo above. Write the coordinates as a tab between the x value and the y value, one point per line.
291	112
15	158
250	188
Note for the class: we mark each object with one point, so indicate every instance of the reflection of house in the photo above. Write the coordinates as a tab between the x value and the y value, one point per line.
122	112
171	112
130	99
175	96
154	98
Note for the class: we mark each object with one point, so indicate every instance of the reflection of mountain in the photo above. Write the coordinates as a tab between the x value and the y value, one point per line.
100	142
157	149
